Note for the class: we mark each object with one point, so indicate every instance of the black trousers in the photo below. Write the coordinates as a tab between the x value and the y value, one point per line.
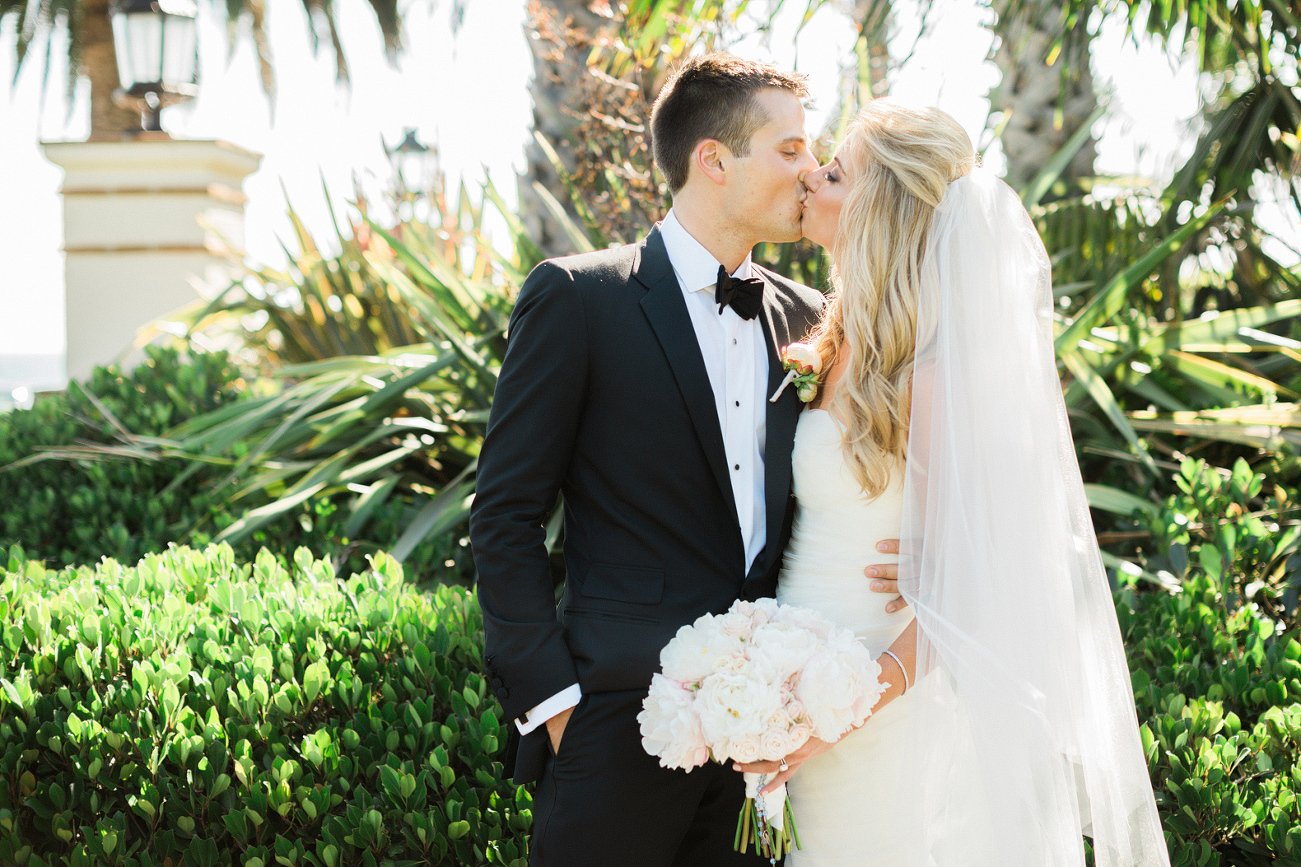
603	802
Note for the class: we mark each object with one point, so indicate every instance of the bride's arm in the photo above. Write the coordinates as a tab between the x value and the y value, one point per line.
898	671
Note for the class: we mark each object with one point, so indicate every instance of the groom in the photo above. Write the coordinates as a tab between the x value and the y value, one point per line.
637	384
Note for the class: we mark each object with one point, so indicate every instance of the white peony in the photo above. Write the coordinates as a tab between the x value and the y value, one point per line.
829	688
804	618
732	704
780	649
695	651
670	727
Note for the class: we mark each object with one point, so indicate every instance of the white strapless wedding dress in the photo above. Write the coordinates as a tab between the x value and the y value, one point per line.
842	800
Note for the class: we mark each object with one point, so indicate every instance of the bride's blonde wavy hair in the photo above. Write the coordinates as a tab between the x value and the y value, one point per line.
897	161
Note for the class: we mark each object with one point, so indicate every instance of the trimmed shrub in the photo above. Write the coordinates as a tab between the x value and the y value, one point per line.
196	711
1219	695
190	710
104	496
70	511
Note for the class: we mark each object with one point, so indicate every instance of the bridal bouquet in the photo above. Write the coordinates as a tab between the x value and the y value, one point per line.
755	684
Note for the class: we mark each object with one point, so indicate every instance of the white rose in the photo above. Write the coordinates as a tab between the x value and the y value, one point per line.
803	357
765	609
744	749
735	623
670	727
734	662
743	607
774	745
778	721
799	735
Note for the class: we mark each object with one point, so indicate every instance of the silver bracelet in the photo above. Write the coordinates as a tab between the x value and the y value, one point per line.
906	684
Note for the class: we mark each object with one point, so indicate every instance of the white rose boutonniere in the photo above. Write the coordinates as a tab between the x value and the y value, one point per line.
803	367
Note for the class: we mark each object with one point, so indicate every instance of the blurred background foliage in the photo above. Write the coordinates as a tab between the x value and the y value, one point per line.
348	414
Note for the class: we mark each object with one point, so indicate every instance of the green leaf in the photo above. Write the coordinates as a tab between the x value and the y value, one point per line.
1118	502
1212	562
1111	296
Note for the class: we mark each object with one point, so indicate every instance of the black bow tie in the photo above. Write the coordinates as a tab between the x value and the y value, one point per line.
745	296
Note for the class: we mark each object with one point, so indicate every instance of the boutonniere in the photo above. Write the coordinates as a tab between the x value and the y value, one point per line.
803	367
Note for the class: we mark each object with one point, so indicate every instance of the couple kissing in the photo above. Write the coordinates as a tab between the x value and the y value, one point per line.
641	388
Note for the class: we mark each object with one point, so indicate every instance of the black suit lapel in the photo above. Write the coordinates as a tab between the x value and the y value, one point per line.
779	425
666	310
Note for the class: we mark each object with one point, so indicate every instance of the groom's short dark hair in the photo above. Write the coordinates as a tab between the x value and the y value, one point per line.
712	97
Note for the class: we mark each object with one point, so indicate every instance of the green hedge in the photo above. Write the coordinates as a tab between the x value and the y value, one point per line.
75	510
194	711
1219	696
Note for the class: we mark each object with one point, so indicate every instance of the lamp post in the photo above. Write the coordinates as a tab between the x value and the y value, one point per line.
417	176
157	55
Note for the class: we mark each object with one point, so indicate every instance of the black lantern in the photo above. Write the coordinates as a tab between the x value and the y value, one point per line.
157	55
415	166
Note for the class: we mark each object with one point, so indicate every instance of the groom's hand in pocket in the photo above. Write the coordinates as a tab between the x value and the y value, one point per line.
884	577
556	728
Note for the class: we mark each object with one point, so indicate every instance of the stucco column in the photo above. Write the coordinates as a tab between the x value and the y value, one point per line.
147	224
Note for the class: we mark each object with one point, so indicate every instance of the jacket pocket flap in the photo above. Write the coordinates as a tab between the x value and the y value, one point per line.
624	583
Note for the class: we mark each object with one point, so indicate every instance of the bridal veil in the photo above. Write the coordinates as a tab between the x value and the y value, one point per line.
1025	734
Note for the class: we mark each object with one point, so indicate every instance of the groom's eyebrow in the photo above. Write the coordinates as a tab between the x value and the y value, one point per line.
794	139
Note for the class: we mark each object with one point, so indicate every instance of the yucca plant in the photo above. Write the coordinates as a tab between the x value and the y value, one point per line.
1157	362
382	359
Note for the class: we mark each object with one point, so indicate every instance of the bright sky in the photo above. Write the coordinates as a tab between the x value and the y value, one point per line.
470	95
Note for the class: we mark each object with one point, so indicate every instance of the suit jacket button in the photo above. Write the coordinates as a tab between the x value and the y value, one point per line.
502	692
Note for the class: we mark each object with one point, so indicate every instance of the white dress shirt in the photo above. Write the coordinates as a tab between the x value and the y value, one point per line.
736	361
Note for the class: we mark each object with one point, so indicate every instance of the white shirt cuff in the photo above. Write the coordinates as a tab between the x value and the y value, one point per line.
561	701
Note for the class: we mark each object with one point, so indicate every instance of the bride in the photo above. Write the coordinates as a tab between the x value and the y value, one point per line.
1008	730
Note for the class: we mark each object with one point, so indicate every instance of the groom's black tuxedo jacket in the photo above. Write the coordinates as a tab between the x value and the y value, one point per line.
603	397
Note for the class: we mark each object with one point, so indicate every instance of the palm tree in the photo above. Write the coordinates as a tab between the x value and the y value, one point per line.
564	33
1043	105
596	69
1045	97
91	50
1249	51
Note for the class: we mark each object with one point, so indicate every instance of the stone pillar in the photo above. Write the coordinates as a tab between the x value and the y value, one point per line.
148	228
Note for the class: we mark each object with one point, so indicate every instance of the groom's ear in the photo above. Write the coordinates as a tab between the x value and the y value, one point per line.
710	158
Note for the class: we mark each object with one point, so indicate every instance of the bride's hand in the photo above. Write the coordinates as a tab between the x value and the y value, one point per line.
885	576
811	748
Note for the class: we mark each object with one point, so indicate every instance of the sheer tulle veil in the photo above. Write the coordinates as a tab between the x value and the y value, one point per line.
1025	735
